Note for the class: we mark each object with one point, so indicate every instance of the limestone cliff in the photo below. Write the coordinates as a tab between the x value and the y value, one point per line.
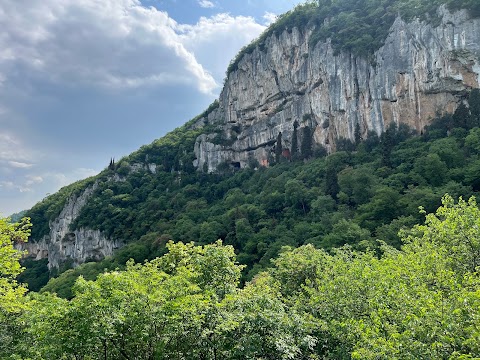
421	71
63	245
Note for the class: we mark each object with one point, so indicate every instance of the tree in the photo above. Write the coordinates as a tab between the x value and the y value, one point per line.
111	166
456	227
11	293
432	168
297	195
294	151
461	117
357	134
474	103
307	144
387	141
278	148
345	232
331	181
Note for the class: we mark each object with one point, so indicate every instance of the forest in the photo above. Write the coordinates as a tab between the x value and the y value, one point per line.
421	301
363	192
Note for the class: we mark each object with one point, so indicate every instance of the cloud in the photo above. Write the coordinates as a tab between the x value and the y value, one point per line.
217	39
206	4
73	70
13	152
19	165
33	179
10	185
269	18
114	44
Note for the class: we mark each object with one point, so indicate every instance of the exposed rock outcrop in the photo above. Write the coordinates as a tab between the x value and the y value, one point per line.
63	245
421	71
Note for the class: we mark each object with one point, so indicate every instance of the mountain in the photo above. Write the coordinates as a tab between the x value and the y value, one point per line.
422	69
354	80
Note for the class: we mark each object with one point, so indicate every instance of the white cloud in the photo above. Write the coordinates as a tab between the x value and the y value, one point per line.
53	52
13	152
10	185
110	43
33	179
216	40
19	165
269	18
115	44
206	4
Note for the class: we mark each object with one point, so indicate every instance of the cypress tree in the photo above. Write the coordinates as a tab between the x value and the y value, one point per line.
295	141
387	143
474	103
358	134
331	181
111	166
307	145
461	116
278	148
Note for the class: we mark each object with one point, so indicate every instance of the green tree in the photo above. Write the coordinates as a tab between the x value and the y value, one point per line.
474	103
345	232
294	150
278	148
331	181
357	134
306	149
11	293
461	117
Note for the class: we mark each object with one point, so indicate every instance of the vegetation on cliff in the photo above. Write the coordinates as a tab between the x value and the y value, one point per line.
358	27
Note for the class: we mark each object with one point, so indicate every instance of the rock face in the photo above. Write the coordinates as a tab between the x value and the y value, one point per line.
421	71
71	247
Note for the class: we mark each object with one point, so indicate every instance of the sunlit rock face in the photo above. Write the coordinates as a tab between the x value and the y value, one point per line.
421	71
73	247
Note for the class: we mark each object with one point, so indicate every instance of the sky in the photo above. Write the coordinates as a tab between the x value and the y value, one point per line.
82	81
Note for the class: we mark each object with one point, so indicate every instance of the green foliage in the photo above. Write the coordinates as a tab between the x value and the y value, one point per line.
293	203
11	293
420	302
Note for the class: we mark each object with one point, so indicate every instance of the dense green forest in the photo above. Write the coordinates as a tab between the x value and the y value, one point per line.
363	192
359	27
419	302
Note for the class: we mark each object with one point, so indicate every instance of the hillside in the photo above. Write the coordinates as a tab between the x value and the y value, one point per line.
324	207
187	186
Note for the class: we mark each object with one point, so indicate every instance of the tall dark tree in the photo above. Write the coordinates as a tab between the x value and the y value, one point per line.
331	181
306	149
474	103
387	141
278	148
357	134
294	151
461	116
111	166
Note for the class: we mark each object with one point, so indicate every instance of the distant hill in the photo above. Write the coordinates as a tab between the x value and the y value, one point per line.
17	216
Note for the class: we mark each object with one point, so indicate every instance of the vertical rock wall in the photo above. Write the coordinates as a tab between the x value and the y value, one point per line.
421	71
73	247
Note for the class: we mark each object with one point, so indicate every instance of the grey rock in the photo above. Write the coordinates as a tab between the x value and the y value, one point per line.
74	247
420	72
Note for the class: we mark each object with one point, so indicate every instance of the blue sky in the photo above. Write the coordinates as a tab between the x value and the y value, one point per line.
82	81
